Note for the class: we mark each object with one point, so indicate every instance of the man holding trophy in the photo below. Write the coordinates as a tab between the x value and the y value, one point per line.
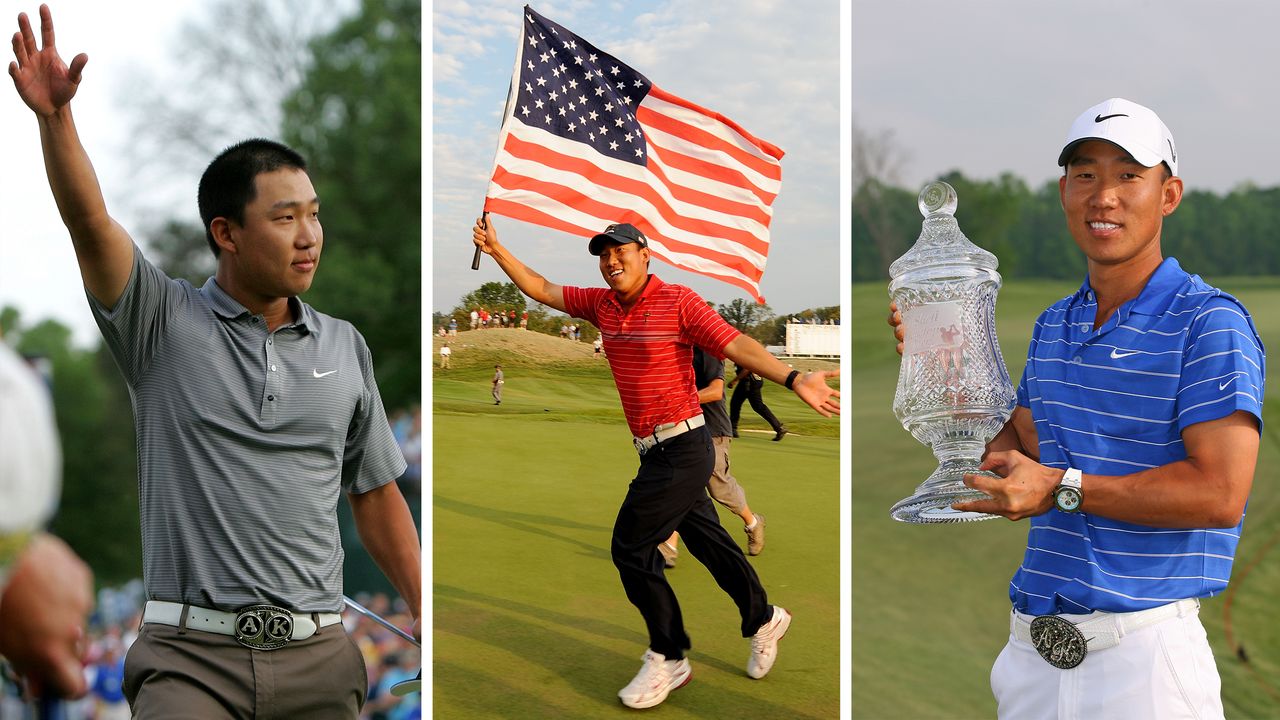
1131	448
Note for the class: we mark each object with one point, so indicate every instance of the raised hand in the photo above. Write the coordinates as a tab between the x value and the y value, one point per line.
42	79
812	388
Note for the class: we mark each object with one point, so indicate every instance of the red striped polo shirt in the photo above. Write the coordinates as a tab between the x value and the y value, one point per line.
650	347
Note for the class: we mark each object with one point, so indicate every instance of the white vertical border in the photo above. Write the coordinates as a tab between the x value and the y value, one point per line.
845	199
428	358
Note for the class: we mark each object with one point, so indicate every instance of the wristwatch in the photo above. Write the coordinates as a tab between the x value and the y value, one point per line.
1068	497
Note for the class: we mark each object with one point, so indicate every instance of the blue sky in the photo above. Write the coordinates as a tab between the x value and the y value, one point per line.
773	67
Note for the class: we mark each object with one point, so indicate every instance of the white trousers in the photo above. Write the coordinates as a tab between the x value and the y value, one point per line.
1163	671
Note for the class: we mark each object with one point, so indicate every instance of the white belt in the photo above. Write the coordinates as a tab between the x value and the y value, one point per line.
668	431
1103	630
224	623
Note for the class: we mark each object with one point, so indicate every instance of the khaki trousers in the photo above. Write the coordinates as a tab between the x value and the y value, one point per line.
205	676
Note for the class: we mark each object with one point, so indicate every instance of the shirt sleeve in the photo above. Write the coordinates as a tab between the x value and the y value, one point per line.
133	328
371	458
582	302
1223	365
703	326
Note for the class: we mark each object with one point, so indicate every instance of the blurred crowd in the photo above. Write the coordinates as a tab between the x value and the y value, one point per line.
388	660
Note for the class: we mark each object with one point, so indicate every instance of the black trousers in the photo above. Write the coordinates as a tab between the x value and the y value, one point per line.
749	390
669	493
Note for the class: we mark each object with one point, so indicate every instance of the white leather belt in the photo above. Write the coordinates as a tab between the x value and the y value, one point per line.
1100	630
300	625
668	431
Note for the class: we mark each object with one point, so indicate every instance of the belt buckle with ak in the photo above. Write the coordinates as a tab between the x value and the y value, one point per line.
264	627
1058	641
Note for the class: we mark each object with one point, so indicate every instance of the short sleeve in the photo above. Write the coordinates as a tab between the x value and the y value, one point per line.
371	458
582	302
132	329
1223	365
703	326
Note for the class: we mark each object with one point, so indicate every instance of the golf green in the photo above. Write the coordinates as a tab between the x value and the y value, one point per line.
530	619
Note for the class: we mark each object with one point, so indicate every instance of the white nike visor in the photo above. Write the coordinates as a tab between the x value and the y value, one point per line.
1129	125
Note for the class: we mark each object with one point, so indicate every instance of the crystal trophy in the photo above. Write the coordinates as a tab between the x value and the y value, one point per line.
954	392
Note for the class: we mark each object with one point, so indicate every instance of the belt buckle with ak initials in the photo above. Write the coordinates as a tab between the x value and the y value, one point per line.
264	627
1058	641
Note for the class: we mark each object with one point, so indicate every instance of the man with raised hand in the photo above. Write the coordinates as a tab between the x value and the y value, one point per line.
1132	450
253	412
650	328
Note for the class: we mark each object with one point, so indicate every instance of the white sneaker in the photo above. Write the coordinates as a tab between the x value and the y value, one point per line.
764	644
656	679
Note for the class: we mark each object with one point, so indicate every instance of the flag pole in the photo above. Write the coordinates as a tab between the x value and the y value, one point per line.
484	223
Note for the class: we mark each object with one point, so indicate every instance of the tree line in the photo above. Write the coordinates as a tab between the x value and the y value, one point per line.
1211	234
751	318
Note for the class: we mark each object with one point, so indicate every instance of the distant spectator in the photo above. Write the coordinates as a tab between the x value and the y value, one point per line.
524	320
445	354
453	327
475	318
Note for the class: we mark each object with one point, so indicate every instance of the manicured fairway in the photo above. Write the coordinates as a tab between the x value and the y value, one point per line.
530	620
930	603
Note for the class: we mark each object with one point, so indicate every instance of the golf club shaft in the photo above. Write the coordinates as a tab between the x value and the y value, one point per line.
380	620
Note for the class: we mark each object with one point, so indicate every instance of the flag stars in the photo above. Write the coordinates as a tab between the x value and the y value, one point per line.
622	86
541	82
524	110
547	119
618	122
604	130
614	70
627	137
592	136
562	112
593	114
608	107
626	99
639	154
532	41
544	57
577	59
563	68
573	126
554	95
528	87
638	83
538	103
555	72
613	145
599	91
592	57
582	99
530	64
573	84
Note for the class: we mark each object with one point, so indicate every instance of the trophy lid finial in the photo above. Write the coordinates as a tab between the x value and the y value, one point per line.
938	197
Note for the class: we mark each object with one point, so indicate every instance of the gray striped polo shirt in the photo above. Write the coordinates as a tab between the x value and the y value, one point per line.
245	438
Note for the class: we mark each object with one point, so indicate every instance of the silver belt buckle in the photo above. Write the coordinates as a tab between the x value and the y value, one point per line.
1058	641
264	627
640	446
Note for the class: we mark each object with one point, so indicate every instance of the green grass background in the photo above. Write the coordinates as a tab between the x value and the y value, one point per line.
930	603
530	619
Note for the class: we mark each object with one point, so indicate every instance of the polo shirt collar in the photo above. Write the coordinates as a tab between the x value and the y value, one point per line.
229	308
1156	295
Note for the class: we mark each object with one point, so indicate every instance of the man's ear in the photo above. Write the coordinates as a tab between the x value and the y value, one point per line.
223	231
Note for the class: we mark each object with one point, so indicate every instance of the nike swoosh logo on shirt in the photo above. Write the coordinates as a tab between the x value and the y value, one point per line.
317	374
1223	386
1116	354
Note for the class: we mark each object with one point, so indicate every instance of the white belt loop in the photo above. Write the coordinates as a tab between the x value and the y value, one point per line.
189	617
1104	630
667	431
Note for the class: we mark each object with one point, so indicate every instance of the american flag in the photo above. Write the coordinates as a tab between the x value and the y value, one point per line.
587	141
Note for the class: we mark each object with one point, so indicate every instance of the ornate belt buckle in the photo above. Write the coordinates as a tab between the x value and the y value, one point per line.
264	627
640	446
1058	641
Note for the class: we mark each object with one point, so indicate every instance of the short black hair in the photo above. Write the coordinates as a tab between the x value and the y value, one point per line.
227	185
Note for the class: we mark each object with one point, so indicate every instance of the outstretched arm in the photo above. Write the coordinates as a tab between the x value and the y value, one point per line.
387	531
46	84
811	387
529	282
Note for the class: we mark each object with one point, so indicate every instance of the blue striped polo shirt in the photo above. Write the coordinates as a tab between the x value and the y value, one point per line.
1114	401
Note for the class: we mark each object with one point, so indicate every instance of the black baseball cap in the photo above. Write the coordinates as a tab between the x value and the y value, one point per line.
620	233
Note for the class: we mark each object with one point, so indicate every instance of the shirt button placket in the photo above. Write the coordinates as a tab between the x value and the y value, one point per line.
271	388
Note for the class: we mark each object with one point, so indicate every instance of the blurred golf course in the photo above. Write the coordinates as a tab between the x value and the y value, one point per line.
930	603
530	620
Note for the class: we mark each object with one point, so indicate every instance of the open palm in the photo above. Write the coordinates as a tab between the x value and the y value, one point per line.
42	79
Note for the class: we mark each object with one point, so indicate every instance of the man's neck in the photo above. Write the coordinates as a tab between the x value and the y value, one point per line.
1115	285
275	311
629	300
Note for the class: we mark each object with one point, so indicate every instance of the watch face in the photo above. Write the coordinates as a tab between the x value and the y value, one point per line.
1067	499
